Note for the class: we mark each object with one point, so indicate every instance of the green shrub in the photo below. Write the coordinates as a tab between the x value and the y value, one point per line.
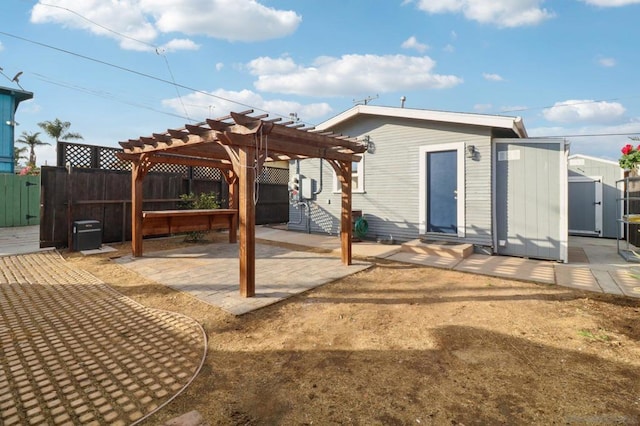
202	201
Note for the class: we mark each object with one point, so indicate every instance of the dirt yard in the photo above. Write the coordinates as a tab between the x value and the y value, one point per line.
399	344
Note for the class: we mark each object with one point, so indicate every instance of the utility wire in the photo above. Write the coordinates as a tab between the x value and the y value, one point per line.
132	71
159	51
105	95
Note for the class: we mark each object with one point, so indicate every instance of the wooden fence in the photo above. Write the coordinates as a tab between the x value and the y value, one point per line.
105	195
19	200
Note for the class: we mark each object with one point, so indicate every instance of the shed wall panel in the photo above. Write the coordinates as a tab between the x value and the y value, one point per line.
610	172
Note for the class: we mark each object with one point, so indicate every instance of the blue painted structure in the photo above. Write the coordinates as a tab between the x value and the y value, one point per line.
9	101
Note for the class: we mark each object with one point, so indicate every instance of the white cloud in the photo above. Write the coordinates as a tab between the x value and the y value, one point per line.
573	111
266	65
180	44
606	146
413	43
611	3
482	108
502	13
492	77
219	102
137	24
234	20
1	47
513	108
219	66
349	75
607	62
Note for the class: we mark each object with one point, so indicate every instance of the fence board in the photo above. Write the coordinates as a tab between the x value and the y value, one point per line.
19	200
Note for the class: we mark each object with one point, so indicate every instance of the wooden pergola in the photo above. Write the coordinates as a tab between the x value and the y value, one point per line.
238	145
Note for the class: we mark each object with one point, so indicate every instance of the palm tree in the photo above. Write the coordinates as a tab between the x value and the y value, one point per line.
58	130
19	154
32	140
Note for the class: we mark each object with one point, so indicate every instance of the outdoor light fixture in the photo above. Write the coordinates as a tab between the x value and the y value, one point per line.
371	146
471	151
12	123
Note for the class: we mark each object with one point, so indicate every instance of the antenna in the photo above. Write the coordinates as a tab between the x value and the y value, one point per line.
16	79
366	100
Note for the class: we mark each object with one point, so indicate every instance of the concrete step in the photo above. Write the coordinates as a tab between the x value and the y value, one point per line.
437	248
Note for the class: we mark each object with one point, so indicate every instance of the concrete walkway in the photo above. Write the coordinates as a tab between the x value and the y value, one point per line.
594	263
20	239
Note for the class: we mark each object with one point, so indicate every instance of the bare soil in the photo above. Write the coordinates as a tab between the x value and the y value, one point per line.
401	344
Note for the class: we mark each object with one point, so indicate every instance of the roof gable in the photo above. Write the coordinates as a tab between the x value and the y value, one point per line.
513	124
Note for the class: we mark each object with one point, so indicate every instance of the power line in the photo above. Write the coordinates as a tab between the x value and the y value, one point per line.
104	95
593	135
132	71
159	51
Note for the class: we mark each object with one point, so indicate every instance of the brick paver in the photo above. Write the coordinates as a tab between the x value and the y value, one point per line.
211	273
74	351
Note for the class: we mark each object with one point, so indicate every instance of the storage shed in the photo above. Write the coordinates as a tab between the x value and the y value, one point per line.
593	196
443	176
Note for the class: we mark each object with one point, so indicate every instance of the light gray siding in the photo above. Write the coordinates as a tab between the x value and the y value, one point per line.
390	200
610	172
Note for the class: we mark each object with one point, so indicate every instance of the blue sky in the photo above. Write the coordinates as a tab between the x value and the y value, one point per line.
121	69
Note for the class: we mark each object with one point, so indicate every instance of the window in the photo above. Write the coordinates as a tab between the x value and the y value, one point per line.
357	178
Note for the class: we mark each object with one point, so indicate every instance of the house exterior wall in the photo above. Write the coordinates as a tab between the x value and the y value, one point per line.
7	108
390	197
610	171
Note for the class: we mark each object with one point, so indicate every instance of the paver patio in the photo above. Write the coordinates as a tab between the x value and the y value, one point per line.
211	273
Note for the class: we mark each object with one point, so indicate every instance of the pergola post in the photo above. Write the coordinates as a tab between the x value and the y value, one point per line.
345	216
232	181
247	213
343	170
137	177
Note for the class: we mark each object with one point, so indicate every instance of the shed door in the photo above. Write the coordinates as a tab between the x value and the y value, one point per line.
442	186
531	191
585	206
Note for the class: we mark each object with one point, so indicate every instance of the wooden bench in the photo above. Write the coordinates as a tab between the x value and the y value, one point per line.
163	222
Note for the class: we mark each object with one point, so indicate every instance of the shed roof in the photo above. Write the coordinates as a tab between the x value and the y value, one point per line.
514	124
588	157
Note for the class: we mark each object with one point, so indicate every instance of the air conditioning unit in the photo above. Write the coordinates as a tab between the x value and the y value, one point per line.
87	235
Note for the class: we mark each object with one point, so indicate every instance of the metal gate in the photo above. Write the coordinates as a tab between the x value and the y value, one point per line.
19	200
585	205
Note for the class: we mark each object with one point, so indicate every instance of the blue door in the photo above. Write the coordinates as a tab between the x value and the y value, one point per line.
442	186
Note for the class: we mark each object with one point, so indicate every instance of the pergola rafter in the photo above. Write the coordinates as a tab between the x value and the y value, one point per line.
238	145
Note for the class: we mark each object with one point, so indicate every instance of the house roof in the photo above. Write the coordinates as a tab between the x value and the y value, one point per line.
588	157
514	124
18	95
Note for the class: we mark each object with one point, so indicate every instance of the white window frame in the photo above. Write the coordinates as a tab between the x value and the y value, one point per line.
422	186
337	188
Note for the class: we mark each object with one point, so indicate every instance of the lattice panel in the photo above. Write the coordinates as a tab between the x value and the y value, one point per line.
207	173
109	161
171	168
77	155
274	175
